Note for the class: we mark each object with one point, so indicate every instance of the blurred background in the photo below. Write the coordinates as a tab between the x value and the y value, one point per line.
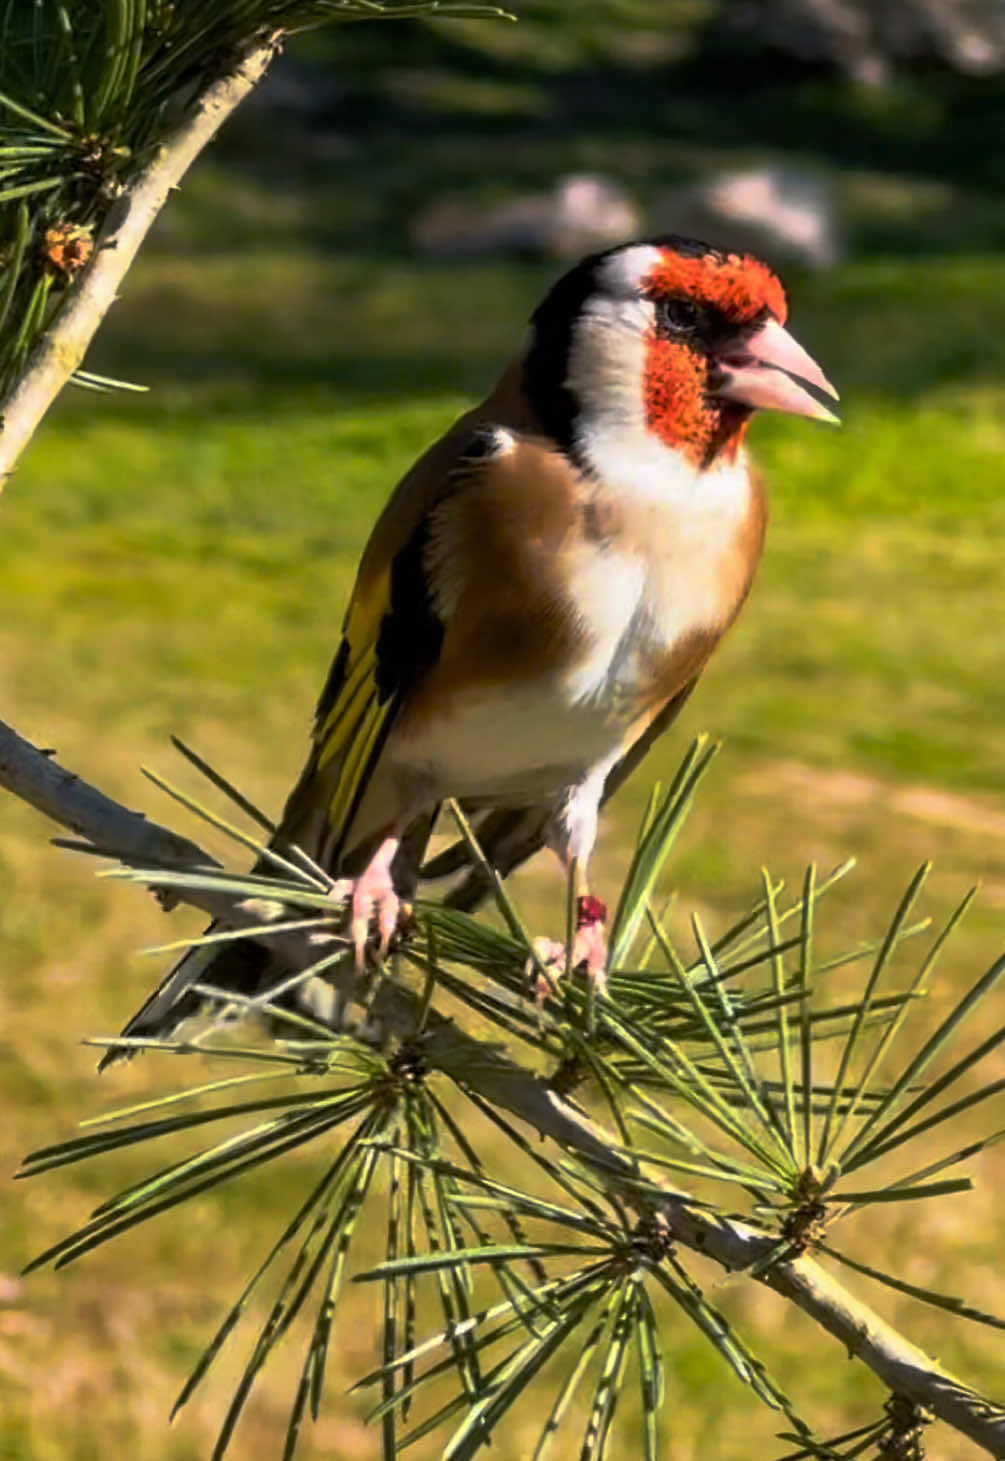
342	273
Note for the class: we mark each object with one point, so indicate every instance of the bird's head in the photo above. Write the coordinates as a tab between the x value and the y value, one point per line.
671	344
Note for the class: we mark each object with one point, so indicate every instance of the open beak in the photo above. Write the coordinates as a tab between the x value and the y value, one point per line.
770	369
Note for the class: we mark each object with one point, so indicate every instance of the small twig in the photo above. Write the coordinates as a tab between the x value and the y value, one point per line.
483	1068
62	348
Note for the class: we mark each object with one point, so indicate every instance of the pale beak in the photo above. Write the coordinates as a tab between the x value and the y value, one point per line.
767	368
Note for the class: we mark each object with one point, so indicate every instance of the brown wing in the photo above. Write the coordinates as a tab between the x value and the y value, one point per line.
414	630
392	639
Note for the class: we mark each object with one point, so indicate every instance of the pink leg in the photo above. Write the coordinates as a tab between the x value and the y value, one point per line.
572	835
373	893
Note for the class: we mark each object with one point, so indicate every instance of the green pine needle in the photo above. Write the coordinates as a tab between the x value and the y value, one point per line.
703	1068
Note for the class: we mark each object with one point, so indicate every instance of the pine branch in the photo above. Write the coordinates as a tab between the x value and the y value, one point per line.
490	1074
62	348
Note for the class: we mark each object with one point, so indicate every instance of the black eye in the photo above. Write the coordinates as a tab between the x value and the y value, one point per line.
678	317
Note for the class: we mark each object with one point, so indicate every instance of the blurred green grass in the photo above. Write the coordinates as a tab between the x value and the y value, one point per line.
179	562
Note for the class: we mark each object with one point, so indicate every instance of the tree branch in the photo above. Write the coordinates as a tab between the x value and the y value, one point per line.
38	779
61	350
486	1070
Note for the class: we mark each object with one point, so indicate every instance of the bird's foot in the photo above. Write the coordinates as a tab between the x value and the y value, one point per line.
373	905
589	949
547	966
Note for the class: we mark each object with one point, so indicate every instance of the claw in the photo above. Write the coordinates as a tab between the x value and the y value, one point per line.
389	911
551	955
370	900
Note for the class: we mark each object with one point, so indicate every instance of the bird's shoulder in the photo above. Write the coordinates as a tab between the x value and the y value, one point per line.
467	443
492	483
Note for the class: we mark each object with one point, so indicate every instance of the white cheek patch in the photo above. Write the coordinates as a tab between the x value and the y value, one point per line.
607	351
607	368
607	360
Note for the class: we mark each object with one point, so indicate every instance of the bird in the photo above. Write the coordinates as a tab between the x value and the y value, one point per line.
540	593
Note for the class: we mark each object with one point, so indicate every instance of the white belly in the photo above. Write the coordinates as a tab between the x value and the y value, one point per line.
516	746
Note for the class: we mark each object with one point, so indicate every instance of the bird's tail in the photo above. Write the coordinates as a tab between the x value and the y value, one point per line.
246	966
241	967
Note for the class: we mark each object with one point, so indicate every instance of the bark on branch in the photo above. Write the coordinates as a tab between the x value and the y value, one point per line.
61	350
485	1069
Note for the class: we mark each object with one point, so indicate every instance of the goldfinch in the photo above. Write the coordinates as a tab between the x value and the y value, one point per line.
542	590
